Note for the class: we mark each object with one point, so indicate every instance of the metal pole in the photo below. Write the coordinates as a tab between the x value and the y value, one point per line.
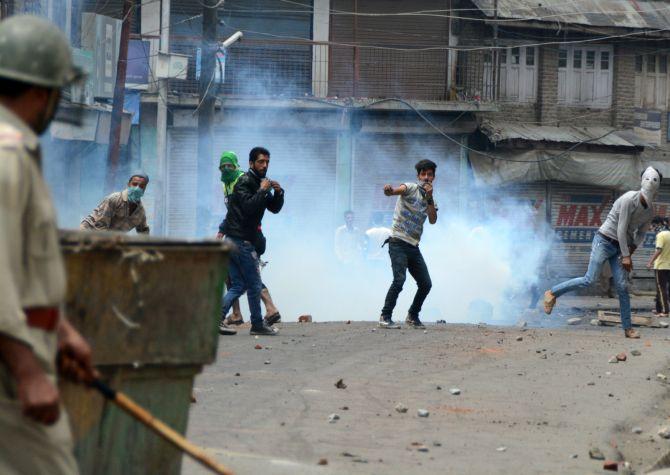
207	89
496	55
161	126
357	53
119	96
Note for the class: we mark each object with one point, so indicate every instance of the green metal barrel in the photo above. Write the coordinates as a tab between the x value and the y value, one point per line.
150	309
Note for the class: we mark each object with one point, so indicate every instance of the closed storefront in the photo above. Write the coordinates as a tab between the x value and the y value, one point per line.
390	158
303	163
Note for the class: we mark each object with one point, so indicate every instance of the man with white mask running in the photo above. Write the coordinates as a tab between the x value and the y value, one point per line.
616	240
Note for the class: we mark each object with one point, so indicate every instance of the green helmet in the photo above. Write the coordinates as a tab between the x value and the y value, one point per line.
35	51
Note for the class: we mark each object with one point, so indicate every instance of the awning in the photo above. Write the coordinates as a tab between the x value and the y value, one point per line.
652	14
613	170
499	132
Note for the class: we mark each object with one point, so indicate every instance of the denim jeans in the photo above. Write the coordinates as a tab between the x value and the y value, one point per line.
602	250
406	257
245	276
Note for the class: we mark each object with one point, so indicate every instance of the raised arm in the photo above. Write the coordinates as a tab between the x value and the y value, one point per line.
389	190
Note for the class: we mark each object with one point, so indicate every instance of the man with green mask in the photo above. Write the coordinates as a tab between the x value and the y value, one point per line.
230	174
121	211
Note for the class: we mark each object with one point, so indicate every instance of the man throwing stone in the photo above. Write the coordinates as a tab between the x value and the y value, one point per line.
616	240
415	203
121	211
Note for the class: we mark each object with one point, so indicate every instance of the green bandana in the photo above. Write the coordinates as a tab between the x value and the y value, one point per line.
229	177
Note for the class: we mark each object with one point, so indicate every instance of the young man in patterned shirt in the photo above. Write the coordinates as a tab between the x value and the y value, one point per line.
415	203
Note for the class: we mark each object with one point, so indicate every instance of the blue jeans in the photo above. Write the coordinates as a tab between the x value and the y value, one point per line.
245	276
602	250
406	257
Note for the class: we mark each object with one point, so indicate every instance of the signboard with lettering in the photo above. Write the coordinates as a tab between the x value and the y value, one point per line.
137	72
576	214
647	125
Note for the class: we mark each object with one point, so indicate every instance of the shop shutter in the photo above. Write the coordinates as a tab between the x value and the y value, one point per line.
182	182
389	158
304	164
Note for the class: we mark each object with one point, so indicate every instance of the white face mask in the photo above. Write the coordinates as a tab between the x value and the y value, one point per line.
651	182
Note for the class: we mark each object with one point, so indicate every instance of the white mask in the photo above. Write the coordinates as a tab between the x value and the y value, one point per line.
651	182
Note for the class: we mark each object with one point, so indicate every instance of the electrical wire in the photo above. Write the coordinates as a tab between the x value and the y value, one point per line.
448	48
436	13
457	142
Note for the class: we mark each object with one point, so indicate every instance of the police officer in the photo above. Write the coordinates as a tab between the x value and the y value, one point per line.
35	63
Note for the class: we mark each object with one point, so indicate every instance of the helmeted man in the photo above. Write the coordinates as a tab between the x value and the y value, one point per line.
616	240
35	63
121	211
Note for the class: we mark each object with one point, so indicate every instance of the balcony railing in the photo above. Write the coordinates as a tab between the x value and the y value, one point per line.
293	69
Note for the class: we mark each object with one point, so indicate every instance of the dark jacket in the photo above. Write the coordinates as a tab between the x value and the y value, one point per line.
247	205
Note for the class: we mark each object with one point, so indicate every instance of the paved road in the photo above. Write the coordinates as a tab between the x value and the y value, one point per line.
545	399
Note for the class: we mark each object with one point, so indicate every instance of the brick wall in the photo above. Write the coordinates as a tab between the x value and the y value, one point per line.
514	112
623	94
585	116
547	86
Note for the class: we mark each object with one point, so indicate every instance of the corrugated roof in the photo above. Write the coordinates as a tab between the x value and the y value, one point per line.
652	14
501	131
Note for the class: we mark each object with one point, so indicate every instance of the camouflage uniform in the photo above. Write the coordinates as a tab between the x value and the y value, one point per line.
113	214
32	276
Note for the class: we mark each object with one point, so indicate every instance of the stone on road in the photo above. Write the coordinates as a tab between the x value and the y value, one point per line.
275	419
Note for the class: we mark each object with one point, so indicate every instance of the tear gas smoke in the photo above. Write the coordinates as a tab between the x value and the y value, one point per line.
482	267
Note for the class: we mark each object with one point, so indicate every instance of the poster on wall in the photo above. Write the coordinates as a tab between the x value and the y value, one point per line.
647	125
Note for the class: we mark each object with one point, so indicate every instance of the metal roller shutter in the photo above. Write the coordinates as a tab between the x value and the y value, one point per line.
533	194
380	159
577	211
182	182
304	164
302	161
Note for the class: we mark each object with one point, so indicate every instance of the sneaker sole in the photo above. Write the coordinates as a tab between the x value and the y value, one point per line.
264	334
390	327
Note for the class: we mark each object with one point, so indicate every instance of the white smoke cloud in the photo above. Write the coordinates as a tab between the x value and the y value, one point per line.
482	266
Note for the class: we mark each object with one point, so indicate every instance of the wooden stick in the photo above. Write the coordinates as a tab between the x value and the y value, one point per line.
159	427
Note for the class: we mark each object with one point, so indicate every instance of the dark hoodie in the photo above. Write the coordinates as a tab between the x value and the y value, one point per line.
246	207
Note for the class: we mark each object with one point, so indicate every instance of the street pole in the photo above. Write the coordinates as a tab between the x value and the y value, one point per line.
207	89
161	127
119	96
496	54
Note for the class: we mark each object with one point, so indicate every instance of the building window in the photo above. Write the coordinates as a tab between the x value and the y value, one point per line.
604	60
651	81
585	76
518	74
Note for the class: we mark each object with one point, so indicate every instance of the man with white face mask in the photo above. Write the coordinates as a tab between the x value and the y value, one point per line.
121	211
621	233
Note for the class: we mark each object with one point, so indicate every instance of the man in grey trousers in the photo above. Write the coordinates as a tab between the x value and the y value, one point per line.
616	240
